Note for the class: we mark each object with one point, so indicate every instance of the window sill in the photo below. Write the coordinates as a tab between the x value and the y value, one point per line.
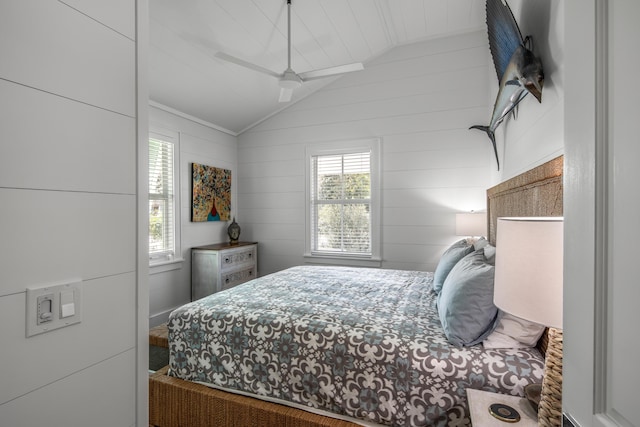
343	260
165	265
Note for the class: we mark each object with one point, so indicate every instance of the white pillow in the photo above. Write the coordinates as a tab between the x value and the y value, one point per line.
490	253
480	243
514	332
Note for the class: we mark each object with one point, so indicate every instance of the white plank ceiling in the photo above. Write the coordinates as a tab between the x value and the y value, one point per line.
185	35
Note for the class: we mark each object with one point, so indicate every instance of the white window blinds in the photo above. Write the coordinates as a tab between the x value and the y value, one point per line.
341	204
161	200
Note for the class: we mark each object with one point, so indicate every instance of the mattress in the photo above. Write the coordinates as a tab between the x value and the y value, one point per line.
364	344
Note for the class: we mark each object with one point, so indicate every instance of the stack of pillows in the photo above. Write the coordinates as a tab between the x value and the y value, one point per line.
463	281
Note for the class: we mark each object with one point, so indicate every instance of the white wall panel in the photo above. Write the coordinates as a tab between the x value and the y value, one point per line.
276	184
452	120
273	152
418	216
68	210
434	159
99	396
623	293
62	352
168	289
442	45
276	168
274	232
205	145
116	14
276	215
431	140
423	254
270	263
200	147
433	178
461	199
414	104
52	47
272	200
420	63
61	235
461	79
285	245
74	146
413	234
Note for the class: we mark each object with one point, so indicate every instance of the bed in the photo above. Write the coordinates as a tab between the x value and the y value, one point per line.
338	346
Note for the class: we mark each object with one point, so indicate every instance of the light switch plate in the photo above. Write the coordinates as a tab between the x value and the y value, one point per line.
65	305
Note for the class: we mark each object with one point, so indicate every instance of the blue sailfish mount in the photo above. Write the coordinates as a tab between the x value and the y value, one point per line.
519	70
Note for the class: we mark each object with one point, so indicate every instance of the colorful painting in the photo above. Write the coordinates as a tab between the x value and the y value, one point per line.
211	188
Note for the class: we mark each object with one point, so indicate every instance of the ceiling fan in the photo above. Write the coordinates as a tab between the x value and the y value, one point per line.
289	79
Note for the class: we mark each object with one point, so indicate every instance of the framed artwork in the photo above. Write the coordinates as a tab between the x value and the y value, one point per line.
211	190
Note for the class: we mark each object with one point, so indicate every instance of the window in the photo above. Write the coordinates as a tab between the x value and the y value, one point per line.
163	214
343	200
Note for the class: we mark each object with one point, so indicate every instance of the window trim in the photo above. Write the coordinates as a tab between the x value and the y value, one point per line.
168	263
347	147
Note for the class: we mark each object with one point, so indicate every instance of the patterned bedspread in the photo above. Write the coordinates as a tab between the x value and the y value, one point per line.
365	343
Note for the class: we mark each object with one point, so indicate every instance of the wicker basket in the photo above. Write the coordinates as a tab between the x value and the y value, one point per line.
550	407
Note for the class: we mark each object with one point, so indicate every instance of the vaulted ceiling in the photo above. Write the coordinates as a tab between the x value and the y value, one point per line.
186	76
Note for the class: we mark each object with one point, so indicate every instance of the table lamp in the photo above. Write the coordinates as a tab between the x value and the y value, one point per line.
471	224
528	284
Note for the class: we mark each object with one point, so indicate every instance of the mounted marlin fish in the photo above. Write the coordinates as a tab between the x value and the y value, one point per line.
519	70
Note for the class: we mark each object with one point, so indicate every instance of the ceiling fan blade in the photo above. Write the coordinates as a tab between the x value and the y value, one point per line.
331	71
243	63
285	95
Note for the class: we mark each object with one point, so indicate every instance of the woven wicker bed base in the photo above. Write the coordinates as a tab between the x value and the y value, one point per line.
175	403
550	408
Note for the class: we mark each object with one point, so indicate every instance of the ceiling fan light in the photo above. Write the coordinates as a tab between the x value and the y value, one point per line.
290	80
285	95
290	84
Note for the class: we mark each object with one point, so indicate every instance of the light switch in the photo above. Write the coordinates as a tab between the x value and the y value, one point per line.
67	304
53	306
44	311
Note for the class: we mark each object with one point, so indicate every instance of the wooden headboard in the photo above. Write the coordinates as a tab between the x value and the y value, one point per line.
537	192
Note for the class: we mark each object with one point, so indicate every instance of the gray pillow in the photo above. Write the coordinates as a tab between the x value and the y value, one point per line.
465	304
449	258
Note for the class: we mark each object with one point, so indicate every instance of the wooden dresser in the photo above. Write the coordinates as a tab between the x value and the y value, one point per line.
222	266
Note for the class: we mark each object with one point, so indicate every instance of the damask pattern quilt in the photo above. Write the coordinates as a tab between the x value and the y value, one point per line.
363	343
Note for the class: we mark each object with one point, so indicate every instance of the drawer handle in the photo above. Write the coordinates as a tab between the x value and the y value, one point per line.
250	254
250	272
226	280
227	260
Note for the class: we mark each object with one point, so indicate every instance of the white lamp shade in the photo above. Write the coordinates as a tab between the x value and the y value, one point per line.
471	224
528	272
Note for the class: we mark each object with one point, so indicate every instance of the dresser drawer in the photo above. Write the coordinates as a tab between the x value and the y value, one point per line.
233	259
233	278
222	266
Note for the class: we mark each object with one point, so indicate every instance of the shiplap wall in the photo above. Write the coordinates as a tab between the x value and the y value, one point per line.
202	144
420	100
68	208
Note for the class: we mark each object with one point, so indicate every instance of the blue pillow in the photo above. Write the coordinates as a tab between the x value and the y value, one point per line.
465	304
449	258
